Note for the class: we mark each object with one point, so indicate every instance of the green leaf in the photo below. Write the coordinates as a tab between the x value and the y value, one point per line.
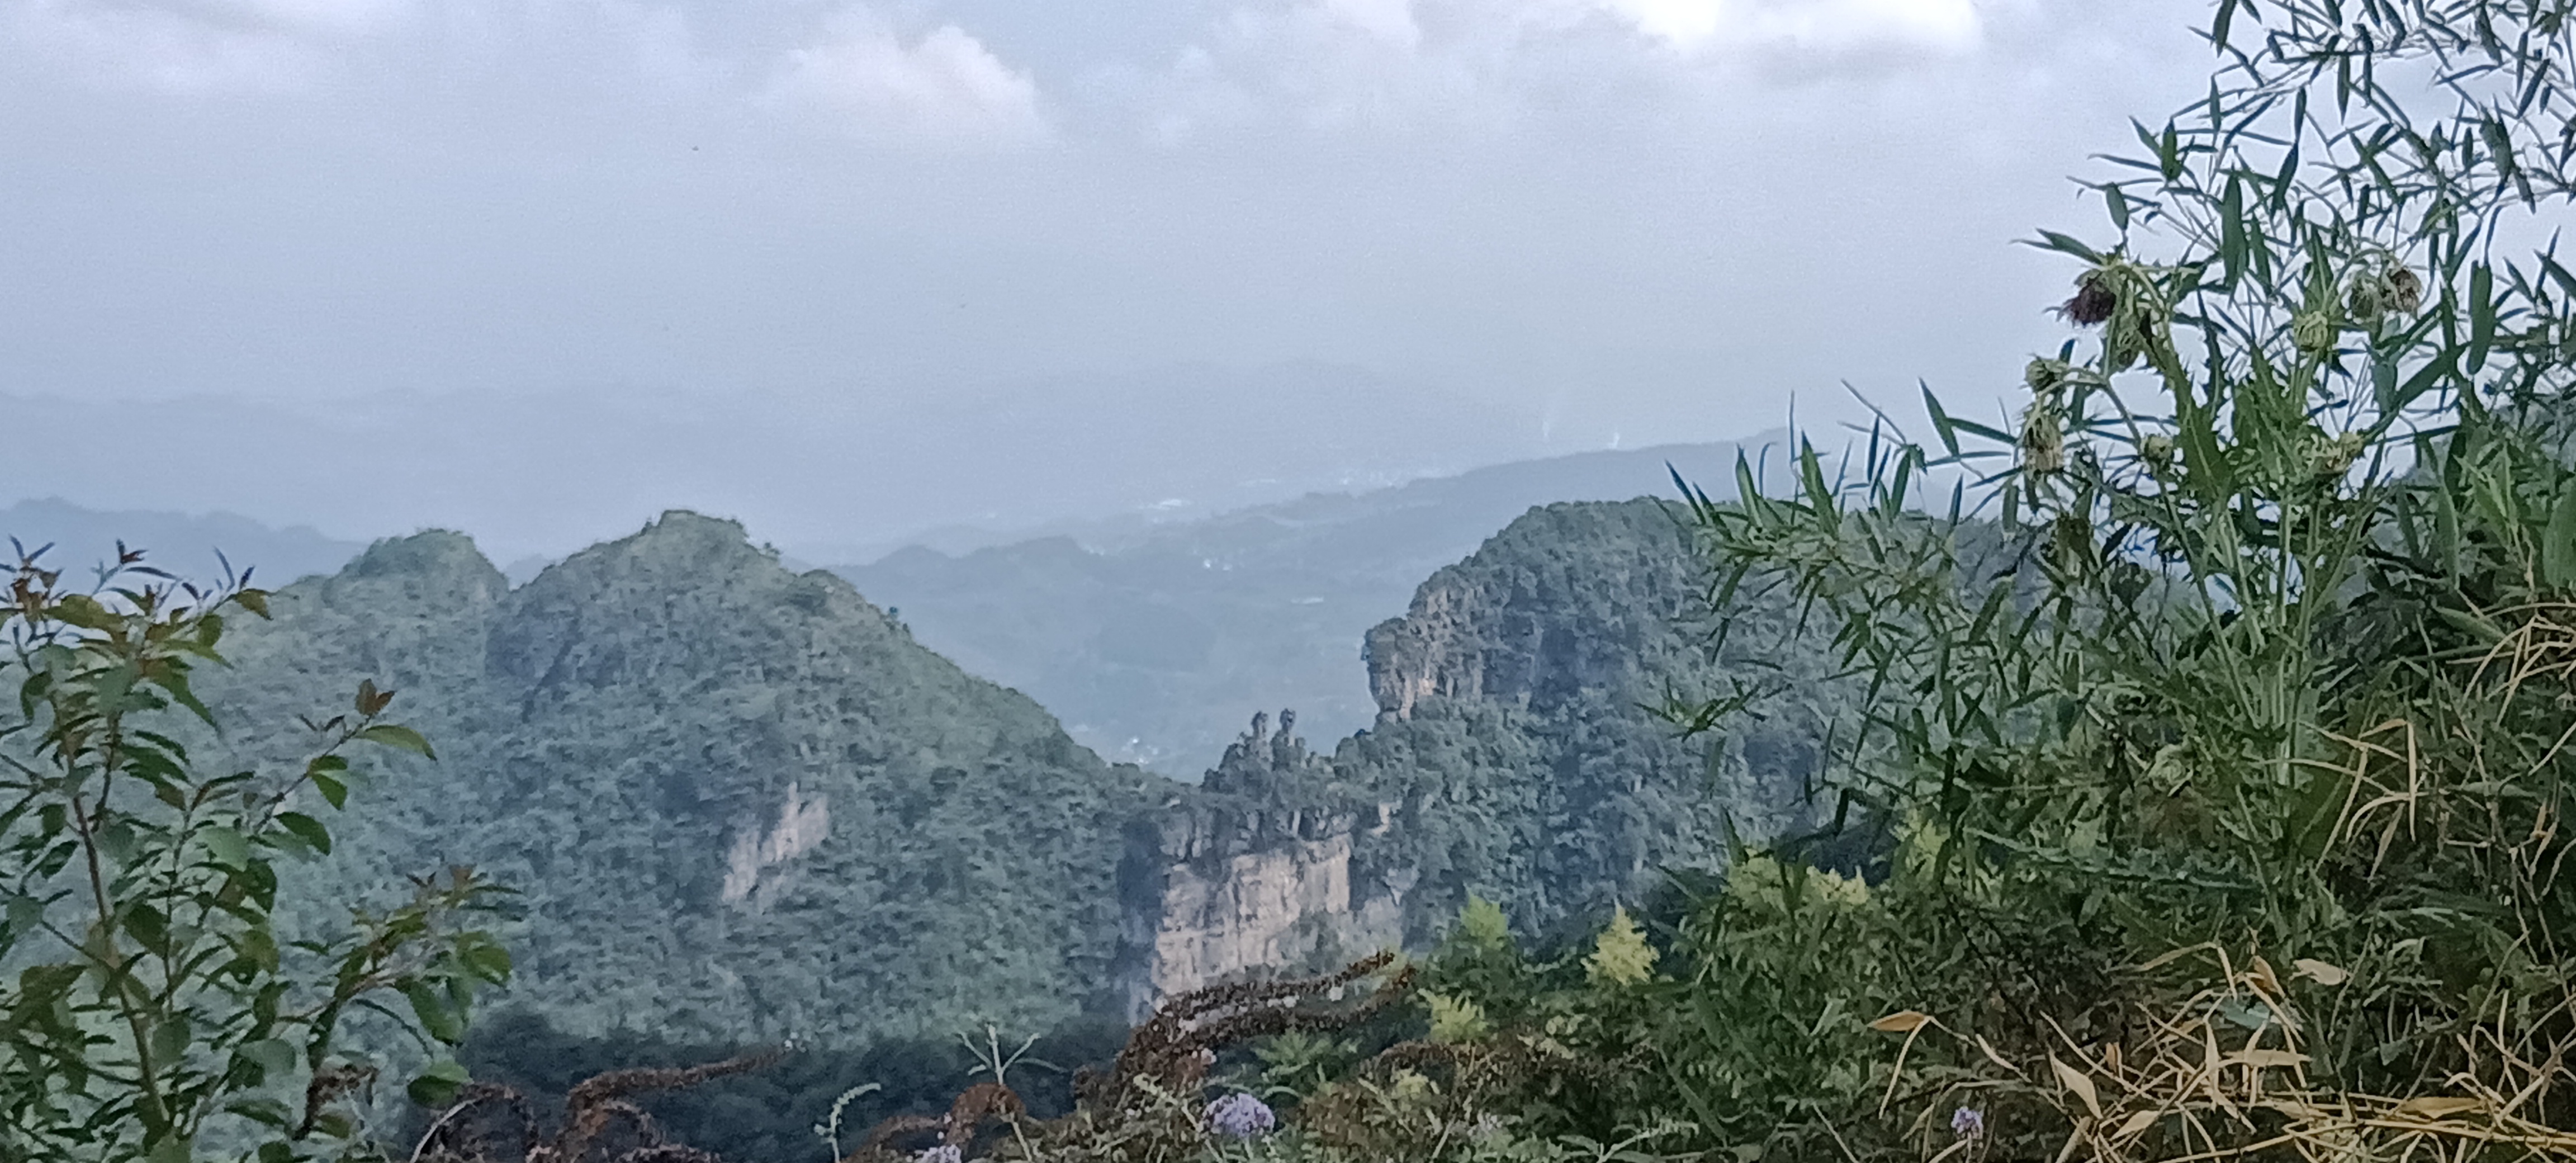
333	791
83	611
117	840
26	913
2118	204
398	737
307	829
2482	317
2065	244
2474	624
437	1018
1941	425
488	960
275	1058
228	846
2231	230
437	1086
2558	543
170	1041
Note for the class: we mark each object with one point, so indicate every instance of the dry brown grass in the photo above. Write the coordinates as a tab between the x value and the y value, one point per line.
495	1124
2224	1074
1143	1107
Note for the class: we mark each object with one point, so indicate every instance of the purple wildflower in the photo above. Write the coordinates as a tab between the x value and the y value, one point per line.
1241	1116
1968	1123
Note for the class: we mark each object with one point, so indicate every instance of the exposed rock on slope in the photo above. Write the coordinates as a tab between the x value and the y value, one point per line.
1253	870
742	803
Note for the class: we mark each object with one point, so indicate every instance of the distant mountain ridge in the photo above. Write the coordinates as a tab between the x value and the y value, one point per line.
530	470
1151	640
183	542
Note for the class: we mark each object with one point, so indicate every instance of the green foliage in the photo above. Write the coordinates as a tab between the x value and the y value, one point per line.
2278	575
158	1009
1620	955
1521	748
2206	772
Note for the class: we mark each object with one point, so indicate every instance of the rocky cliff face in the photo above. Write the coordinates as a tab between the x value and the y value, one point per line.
1254	871
1568	599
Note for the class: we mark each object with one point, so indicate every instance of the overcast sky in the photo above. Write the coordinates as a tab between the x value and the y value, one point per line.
540	268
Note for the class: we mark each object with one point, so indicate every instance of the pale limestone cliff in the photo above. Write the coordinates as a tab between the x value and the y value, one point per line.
803	821
1254	873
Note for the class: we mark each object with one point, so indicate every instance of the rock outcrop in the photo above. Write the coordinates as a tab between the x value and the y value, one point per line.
1254	872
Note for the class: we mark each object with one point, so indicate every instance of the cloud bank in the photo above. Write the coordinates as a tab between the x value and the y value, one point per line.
1595	218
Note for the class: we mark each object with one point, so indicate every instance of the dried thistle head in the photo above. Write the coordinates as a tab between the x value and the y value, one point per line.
2364	300
2332	458
2043	440
2403	289
2094	300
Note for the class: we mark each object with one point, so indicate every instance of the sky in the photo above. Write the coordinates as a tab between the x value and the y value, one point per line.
538	269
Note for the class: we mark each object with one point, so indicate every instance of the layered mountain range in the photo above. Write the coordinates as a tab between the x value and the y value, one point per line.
742	804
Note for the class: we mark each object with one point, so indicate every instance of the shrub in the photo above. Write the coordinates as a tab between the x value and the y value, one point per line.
155	1010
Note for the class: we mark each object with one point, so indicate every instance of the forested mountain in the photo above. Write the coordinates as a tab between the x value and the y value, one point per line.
741	804
1154	641
1517	754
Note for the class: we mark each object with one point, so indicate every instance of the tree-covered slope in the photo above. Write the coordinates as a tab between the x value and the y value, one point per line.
1520	753
1519	719
742	804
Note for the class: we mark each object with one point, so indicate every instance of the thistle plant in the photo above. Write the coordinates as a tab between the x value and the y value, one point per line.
2238	631
155	1011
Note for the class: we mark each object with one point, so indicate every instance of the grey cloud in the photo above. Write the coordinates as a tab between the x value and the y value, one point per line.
549	215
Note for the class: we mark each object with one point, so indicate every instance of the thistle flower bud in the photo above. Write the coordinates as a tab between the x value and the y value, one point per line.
1241	1116
2043	375
2334	457
2158	451
2362	300
2312	332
